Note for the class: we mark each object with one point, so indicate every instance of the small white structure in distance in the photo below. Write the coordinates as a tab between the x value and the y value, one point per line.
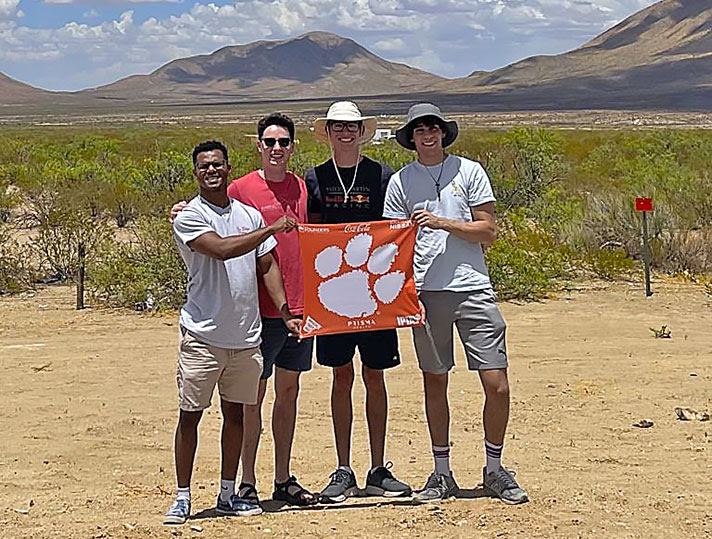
381	135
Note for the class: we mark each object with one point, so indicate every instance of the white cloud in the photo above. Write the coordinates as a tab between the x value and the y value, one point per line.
389	45
125	22
448	37
8	9
113	2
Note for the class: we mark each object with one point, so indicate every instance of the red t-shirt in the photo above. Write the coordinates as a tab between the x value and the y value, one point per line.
273	200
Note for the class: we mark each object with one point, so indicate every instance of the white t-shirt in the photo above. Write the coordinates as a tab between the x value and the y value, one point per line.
222	307
442	261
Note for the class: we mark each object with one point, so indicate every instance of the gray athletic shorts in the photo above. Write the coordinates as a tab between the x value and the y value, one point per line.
480	325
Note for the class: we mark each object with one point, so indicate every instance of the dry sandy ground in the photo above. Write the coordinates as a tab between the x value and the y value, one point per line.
89	409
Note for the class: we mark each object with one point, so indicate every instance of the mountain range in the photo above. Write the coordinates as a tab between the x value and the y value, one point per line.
659	58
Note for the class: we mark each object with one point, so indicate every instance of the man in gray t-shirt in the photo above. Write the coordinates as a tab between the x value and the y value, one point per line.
224	244
451	199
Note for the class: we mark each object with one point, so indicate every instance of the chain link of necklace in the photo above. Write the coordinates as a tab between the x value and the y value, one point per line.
437	181
353	182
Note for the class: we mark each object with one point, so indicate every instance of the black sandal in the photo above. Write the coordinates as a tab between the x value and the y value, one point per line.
248	492
292	493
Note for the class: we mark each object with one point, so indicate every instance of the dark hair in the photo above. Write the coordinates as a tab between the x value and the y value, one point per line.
426	121
276	118
209	146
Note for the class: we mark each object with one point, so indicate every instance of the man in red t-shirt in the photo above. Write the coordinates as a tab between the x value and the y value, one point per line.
274	192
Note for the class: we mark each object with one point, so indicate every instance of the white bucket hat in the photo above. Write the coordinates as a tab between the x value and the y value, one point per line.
345	111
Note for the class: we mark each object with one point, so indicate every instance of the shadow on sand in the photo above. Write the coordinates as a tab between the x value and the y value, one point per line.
357	502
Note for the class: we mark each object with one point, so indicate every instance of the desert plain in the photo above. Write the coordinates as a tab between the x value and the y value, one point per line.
89	407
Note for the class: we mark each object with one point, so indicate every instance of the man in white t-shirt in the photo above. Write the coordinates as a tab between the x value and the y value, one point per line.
451	199
224	244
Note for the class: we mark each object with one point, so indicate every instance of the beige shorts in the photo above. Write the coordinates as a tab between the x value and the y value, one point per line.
202	366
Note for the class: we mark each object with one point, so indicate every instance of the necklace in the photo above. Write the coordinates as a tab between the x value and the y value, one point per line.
353	182
436	181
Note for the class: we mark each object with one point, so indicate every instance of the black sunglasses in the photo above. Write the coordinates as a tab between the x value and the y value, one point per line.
271	141
217	165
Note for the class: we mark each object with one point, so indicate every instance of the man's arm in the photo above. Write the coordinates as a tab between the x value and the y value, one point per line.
215	246
394	203
272	278
482	229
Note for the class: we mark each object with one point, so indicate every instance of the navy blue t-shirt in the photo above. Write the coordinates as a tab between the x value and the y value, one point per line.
365	201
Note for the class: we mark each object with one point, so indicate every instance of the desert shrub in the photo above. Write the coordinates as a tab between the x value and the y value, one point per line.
244	158
165	179
525	260
684	251
306	155
9	196
609	263
528	164
17	274
149	266
391	153
665	166
609	219
59	239
477	144
121	196
565	198
66	218
123	202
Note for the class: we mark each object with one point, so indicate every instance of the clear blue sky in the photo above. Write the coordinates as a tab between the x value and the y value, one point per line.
75	44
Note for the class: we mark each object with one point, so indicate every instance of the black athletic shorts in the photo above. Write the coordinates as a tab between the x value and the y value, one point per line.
280	348
377	349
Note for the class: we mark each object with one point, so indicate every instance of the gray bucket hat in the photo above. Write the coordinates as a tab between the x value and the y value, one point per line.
418	112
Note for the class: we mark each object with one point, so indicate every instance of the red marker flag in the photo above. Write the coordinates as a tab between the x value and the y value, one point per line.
644	204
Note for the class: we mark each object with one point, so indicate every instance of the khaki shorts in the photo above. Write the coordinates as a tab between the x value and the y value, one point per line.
202	366
478	321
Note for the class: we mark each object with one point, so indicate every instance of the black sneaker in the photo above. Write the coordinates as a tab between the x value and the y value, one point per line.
380	482
236	507
341	486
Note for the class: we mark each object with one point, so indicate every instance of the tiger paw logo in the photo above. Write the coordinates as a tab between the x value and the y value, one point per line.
347	290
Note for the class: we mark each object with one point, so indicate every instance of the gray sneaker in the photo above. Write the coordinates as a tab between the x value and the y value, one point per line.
342	484
503	485
438	487
177	513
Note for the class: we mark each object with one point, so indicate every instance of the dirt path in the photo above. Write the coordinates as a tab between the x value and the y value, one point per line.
89	408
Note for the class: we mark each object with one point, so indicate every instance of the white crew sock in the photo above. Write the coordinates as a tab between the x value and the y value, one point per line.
494	456
441	456
183	493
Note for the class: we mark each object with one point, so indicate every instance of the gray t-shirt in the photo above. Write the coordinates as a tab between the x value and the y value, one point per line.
222	307
442	261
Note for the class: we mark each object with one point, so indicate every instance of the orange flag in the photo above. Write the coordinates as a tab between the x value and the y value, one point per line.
358	277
